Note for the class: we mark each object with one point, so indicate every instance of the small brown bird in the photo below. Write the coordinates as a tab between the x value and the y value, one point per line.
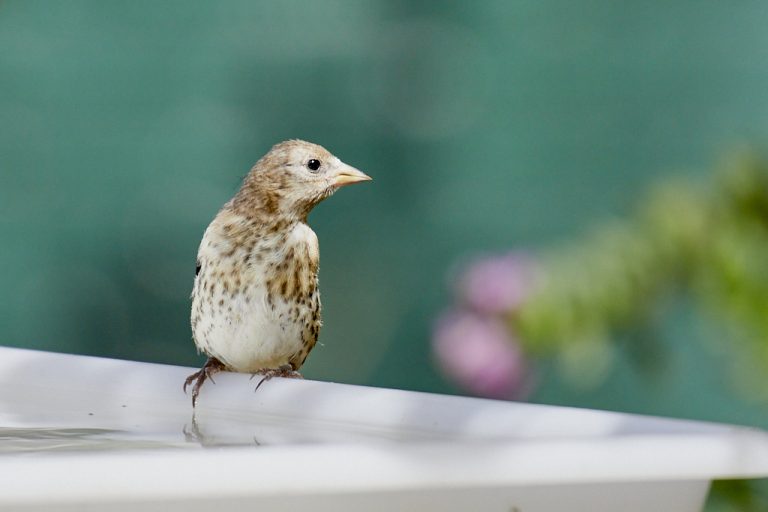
255	302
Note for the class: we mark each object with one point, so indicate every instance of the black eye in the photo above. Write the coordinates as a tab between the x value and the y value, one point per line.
313	164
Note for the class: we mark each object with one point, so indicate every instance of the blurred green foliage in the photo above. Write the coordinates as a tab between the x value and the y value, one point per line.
705	243
125	125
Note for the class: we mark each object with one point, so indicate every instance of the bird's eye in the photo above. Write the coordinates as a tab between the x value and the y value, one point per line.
313	165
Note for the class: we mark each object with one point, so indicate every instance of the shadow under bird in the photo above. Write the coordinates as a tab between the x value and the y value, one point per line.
255	301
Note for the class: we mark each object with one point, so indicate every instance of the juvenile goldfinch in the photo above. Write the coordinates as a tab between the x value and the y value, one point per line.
255	301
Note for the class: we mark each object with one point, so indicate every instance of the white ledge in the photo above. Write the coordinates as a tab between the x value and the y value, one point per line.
116	433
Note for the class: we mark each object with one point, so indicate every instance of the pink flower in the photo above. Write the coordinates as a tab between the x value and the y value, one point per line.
480	354
497	284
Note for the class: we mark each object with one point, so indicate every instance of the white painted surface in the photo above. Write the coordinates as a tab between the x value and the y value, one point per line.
114	435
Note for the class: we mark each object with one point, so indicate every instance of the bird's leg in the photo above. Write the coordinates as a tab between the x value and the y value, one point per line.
211	366
285	370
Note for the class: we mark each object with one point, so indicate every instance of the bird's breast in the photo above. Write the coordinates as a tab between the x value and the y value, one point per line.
292	275
255	302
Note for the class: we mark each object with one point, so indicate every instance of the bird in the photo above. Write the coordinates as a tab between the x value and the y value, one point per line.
255	298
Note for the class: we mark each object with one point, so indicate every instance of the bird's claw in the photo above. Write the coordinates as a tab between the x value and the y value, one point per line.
285	371
211	367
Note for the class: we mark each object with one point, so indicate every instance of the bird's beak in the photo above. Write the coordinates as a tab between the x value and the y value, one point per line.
347	175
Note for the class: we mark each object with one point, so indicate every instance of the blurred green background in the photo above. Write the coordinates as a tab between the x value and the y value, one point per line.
124	126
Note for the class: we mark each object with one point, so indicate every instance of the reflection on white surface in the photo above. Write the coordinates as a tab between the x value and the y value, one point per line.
110	434
62	402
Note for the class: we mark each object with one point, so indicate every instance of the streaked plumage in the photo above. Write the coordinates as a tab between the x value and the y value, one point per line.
255	301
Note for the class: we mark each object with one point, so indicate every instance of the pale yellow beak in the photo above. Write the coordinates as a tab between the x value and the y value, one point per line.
347	175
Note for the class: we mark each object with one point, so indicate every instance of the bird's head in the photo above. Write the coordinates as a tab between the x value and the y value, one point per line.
293	177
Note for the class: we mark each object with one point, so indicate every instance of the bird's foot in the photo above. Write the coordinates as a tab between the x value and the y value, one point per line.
211	366
285	370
